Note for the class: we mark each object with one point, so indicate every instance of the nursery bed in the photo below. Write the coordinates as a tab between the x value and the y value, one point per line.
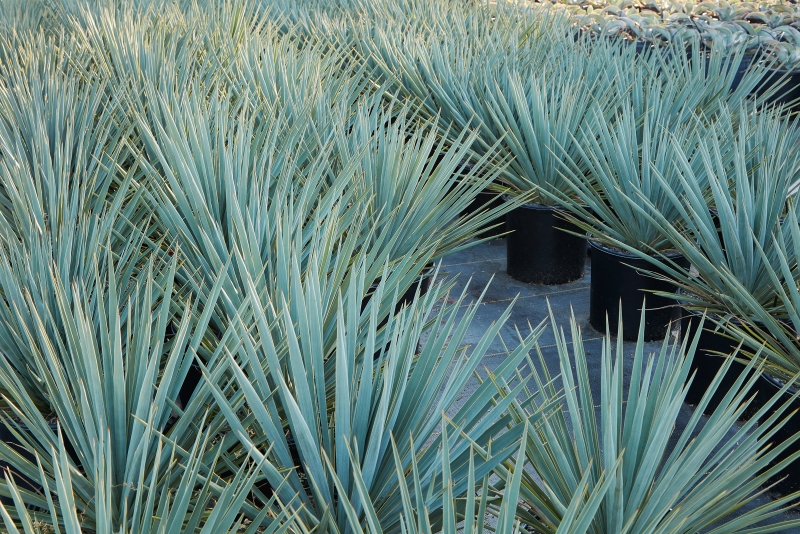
485	264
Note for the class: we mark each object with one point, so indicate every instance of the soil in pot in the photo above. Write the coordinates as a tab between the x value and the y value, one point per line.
539	251
788	480
707	361
615	282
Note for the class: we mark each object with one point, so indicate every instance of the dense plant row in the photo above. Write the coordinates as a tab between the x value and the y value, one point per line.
210	212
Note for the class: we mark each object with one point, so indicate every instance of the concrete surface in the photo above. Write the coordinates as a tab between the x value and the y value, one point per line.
484	262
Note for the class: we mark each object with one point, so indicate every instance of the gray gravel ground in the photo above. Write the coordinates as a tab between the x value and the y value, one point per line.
486	262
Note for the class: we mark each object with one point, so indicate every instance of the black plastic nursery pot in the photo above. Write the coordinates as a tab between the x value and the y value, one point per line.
645	47
615	281
741	68
707	361
787	480
789	92
483	201
423	282
539	251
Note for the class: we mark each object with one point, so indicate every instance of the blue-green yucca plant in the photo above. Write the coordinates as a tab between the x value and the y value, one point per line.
66	200
408	174
627	463
515	80
174	498
634	473
110	377
535	115
226	177
622	162
344	403
770	329
130	44
731	195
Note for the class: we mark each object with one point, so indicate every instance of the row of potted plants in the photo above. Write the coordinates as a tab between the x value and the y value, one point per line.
245	195
642	164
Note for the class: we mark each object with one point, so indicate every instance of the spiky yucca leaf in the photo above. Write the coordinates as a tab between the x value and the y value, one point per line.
173	498
366	387
640	470
468	513
624	161
111	377
731	198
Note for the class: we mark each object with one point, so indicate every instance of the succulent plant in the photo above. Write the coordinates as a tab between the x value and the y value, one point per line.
607	464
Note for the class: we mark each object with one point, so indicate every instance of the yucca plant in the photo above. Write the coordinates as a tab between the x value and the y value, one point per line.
346	401
451	75
770	329
469	513
731	196
226	177
624	462
66	200
623	161
533	113
157	43
20	19
315	83
174	498
110	377
409	174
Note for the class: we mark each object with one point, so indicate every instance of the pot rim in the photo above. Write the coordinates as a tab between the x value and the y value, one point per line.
772	382
710	316
790	72
536	205
624	254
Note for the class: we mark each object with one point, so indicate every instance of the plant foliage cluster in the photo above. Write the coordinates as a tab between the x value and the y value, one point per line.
238	194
